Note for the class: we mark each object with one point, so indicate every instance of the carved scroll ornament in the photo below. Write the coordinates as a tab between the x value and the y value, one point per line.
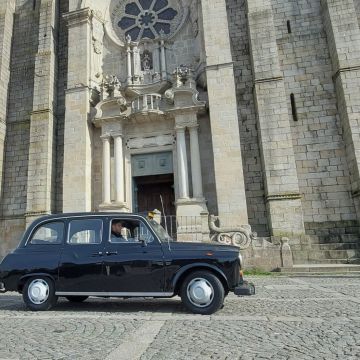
241	236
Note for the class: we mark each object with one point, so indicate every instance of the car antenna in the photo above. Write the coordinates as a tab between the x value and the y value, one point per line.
166	229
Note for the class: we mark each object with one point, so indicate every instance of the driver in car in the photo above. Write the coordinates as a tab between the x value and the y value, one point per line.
116	231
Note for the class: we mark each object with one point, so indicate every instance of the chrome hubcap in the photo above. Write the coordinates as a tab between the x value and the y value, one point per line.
200	292
38	291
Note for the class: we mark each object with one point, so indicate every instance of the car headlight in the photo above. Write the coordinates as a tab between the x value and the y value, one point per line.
241	261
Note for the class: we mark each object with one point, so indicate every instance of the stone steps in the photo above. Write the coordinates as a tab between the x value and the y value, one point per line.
341	238
307	269
311	256
336	246
344	261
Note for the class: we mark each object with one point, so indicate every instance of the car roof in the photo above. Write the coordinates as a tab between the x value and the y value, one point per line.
87	214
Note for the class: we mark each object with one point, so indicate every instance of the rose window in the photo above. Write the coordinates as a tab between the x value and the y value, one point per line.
147	19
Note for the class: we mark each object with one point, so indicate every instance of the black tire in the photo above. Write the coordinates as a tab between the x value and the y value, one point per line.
76	299
214	303
44	304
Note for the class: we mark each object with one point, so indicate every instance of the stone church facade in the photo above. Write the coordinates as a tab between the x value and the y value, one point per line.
244	109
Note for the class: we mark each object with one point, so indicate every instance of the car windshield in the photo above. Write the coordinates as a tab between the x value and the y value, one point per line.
160	231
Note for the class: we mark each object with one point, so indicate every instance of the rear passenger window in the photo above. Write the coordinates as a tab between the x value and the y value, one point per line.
85	231
51	233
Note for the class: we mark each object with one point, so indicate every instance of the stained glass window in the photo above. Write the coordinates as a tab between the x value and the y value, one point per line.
147	19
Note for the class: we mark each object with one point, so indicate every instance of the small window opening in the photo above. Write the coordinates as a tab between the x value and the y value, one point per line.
288	24
293	107
34	4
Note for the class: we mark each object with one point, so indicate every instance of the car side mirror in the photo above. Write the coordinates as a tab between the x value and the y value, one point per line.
143	241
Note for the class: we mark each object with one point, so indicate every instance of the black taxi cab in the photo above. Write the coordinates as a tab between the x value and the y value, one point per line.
118	255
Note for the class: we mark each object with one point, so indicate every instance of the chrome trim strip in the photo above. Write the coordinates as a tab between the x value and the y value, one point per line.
115	294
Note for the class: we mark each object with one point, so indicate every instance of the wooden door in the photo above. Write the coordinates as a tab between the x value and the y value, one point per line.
149	197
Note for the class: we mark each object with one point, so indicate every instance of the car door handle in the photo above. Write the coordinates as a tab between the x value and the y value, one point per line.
108	253
100	253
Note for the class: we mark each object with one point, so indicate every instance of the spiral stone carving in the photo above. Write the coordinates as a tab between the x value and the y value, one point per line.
241	236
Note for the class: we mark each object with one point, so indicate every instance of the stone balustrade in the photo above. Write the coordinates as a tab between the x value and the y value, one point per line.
146	102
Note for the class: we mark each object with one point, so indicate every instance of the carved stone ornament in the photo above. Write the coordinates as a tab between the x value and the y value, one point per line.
97	45
122	103
151	141
110	84
195	28
241	236
182	74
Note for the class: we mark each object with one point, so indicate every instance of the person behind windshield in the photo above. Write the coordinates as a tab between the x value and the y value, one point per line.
116	235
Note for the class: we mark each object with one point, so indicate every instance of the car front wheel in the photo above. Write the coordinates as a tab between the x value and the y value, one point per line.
39	294
202	293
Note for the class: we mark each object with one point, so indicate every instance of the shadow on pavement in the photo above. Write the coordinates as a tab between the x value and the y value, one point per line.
109	305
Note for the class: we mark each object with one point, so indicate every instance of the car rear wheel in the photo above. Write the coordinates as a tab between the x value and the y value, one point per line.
76	299
202	293
39	293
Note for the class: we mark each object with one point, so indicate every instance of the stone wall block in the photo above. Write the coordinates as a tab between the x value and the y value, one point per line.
229	177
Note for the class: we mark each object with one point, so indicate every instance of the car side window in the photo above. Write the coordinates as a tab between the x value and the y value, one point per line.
129	231
47	234
86	231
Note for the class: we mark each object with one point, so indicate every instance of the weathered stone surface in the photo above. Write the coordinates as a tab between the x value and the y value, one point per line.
278	139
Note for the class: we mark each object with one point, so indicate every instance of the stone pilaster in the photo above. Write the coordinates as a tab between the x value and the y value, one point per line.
182	163
78	131
229	177
343	34
279	167
119	168
40	186
7	9
106	169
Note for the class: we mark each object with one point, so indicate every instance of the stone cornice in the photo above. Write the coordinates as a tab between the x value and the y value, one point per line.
186	110
220	66
78	17
281	197
37	213
345	69
99	122
42	111
77	88
269	79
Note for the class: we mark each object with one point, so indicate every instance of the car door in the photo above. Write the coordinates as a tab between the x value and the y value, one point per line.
133	262
81	263
43	248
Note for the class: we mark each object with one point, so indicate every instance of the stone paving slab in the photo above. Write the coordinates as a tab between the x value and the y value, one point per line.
279	322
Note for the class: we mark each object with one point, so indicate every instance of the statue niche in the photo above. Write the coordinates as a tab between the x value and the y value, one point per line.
143	63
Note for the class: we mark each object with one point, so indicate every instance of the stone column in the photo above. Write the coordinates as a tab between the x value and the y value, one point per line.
106	175
279	168
136	63
77	135
189	211
229	177
183	172
163	59
119	168
40	185
129	65
7	9
195	163
343	34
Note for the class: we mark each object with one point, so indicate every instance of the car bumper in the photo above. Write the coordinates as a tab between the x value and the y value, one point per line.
245	288
2	288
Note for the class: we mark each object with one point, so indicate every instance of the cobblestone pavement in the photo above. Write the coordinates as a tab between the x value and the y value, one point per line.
288	318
